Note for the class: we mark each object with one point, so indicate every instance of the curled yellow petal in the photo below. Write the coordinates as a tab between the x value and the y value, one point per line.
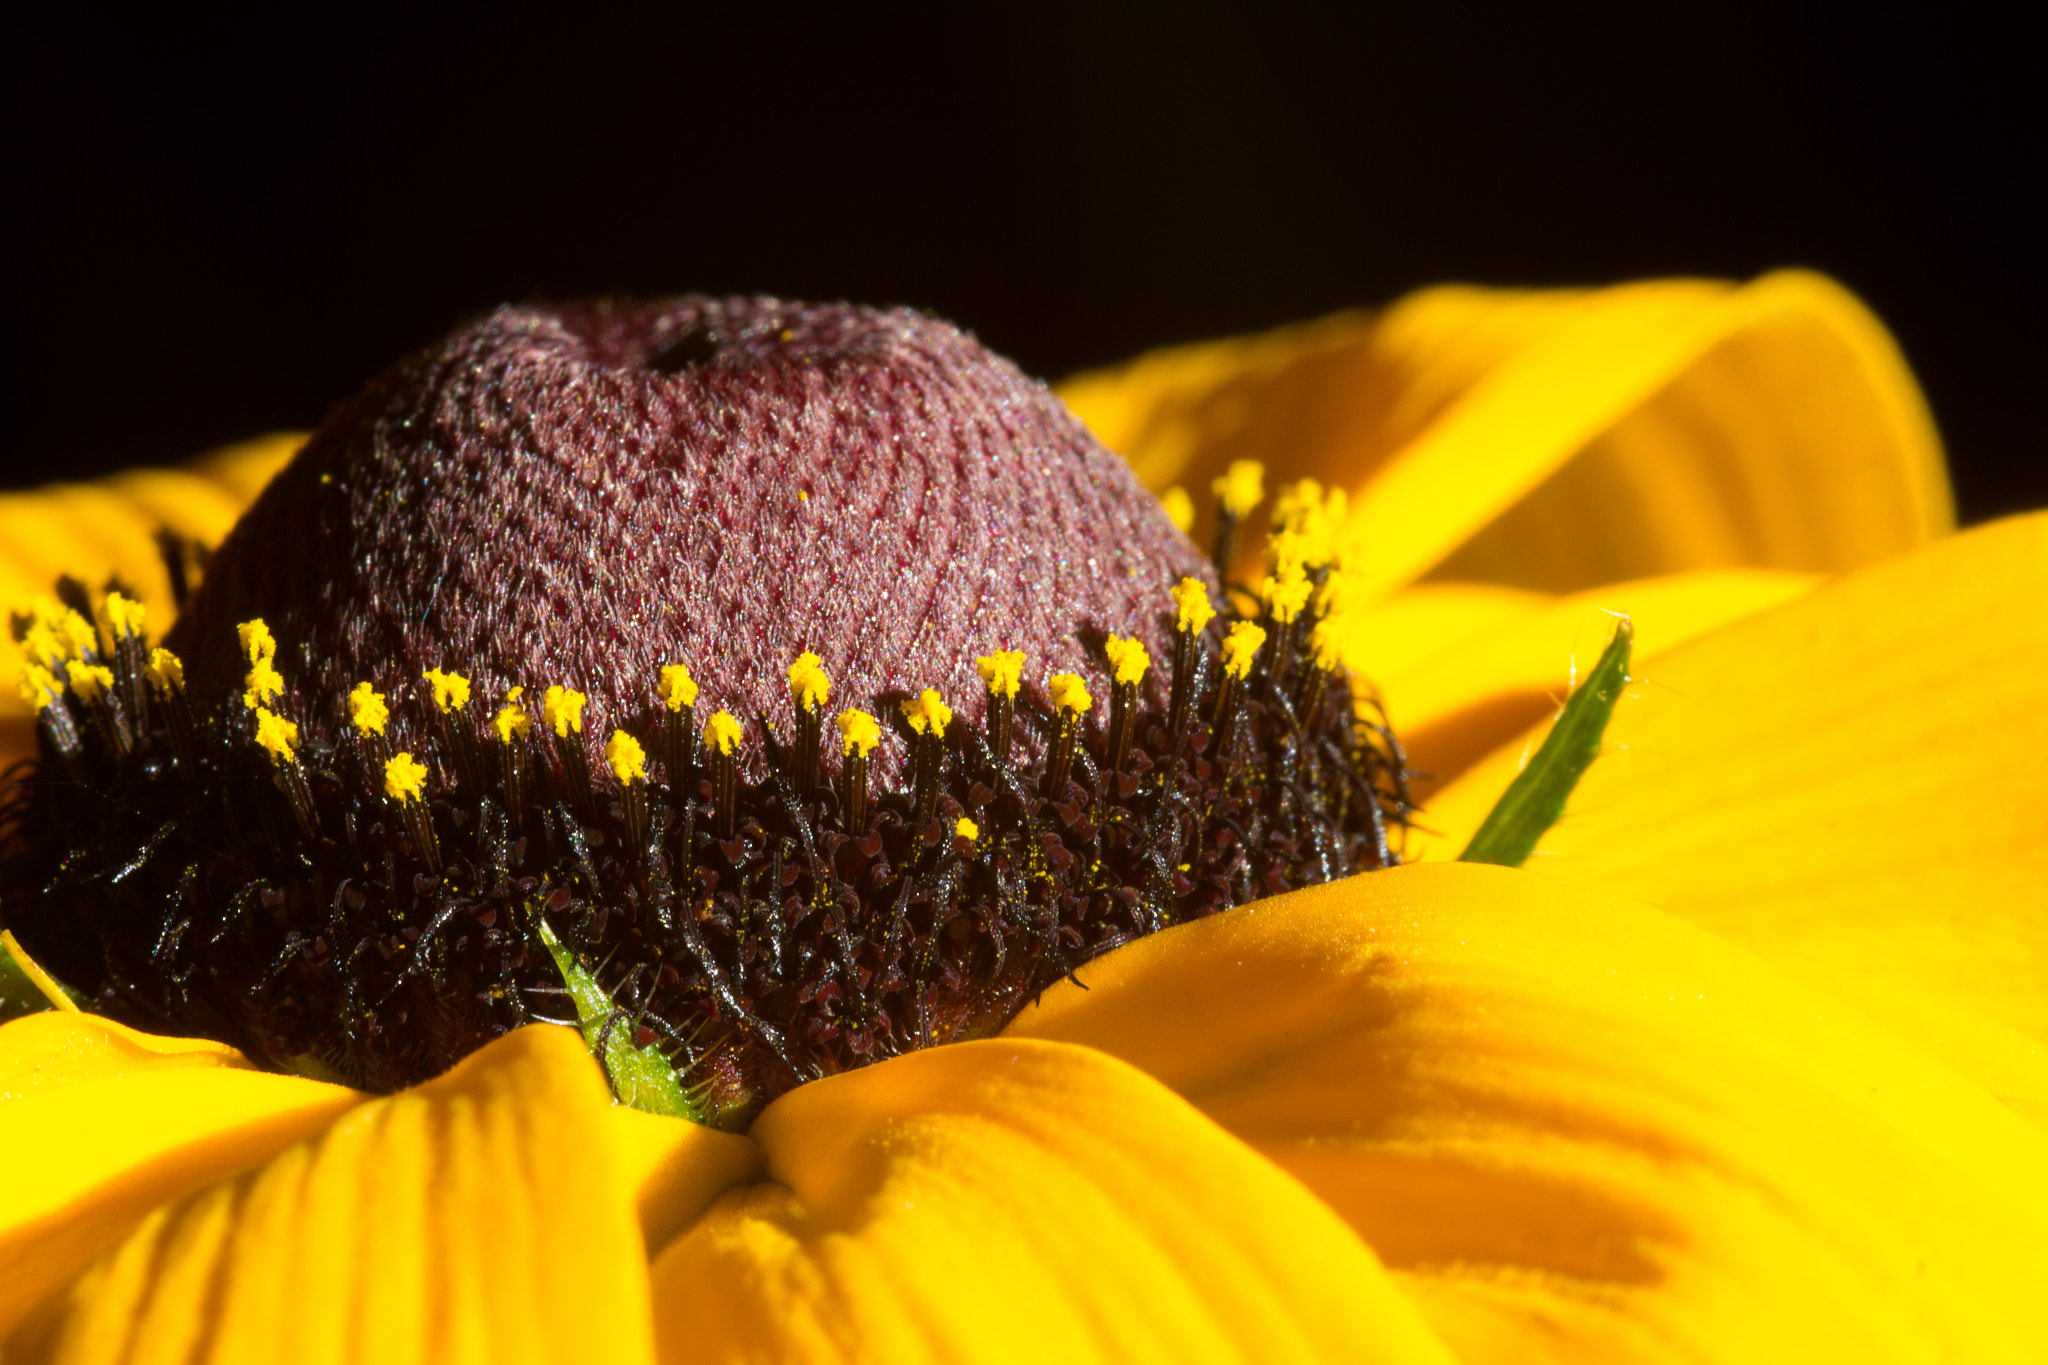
1019	1201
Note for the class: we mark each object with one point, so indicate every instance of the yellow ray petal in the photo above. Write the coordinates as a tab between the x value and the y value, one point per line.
998	1201
1851	784
99	1123
677	1168
1571	437
1454	707
485	1217
1580	1129
91	531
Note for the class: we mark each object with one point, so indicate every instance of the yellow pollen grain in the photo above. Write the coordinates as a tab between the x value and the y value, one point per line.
511	722
1179	508
1003	671
1191	603
166	671
1286	594
928	713
1069	693
808	685
405	778
563	709
859	733
276	734
678	688
39	686
123	615
258	644
1241	487
722	732
967	829
1239	646
264	682
628	759
1127	659
366	709
451	690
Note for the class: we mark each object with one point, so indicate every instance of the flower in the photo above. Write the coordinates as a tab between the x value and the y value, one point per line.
1747	1063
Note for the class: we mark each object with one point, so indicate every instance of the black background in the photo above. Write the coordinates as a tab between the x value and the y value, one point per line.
213	227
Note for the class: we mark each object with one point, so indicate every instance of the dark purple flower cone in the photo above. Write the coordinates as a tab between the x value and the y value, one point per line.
580	495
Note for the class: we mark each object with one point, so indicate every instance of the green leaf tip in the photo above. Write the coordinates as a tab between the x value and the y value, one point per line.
641	1077
1535	800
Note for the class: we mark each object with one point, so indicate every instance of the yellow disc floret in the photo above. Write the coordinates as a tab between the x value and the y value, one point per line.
722	732
89	681
1003	671
1069	693
1191	603
563	709
808	685
276	734
1241	487
405	778
166	672
1239	646
39	686
678	688
511	721
928	713
258	644
628	759
1179	508
858	733
451	690
1127	659
366	709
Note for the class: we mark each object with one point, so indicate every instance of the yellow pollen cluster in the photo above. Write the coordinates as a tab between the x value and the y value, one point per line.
123	616
1179	508
1191	601
678	688
42	645
39	686
563	709
722	732
166	672
366	709
79	636
928	713
628	759
89	681
1241	487
405	777
1127	659
264	682
967	829
451	690
1287	593
1239	646
808	685
511	722
1326	641
1003	671
858	733
276	734
1312	518
258	644
1069	693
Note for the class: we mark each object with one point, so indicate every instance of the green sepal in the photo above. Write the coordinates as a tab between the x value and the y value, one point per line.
1534	801
25	988
641	1076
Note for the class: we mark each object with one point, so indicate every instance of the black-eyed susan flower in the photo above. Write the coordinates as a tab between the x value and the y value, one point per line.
1432	1112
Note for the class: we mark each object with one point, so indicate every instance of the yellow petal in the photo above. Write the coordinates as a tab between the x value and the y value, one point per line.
1852	785
1021	1201
1457	705
99	1123
1564	439
92	531
677	1168
484	1217
1576	1128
